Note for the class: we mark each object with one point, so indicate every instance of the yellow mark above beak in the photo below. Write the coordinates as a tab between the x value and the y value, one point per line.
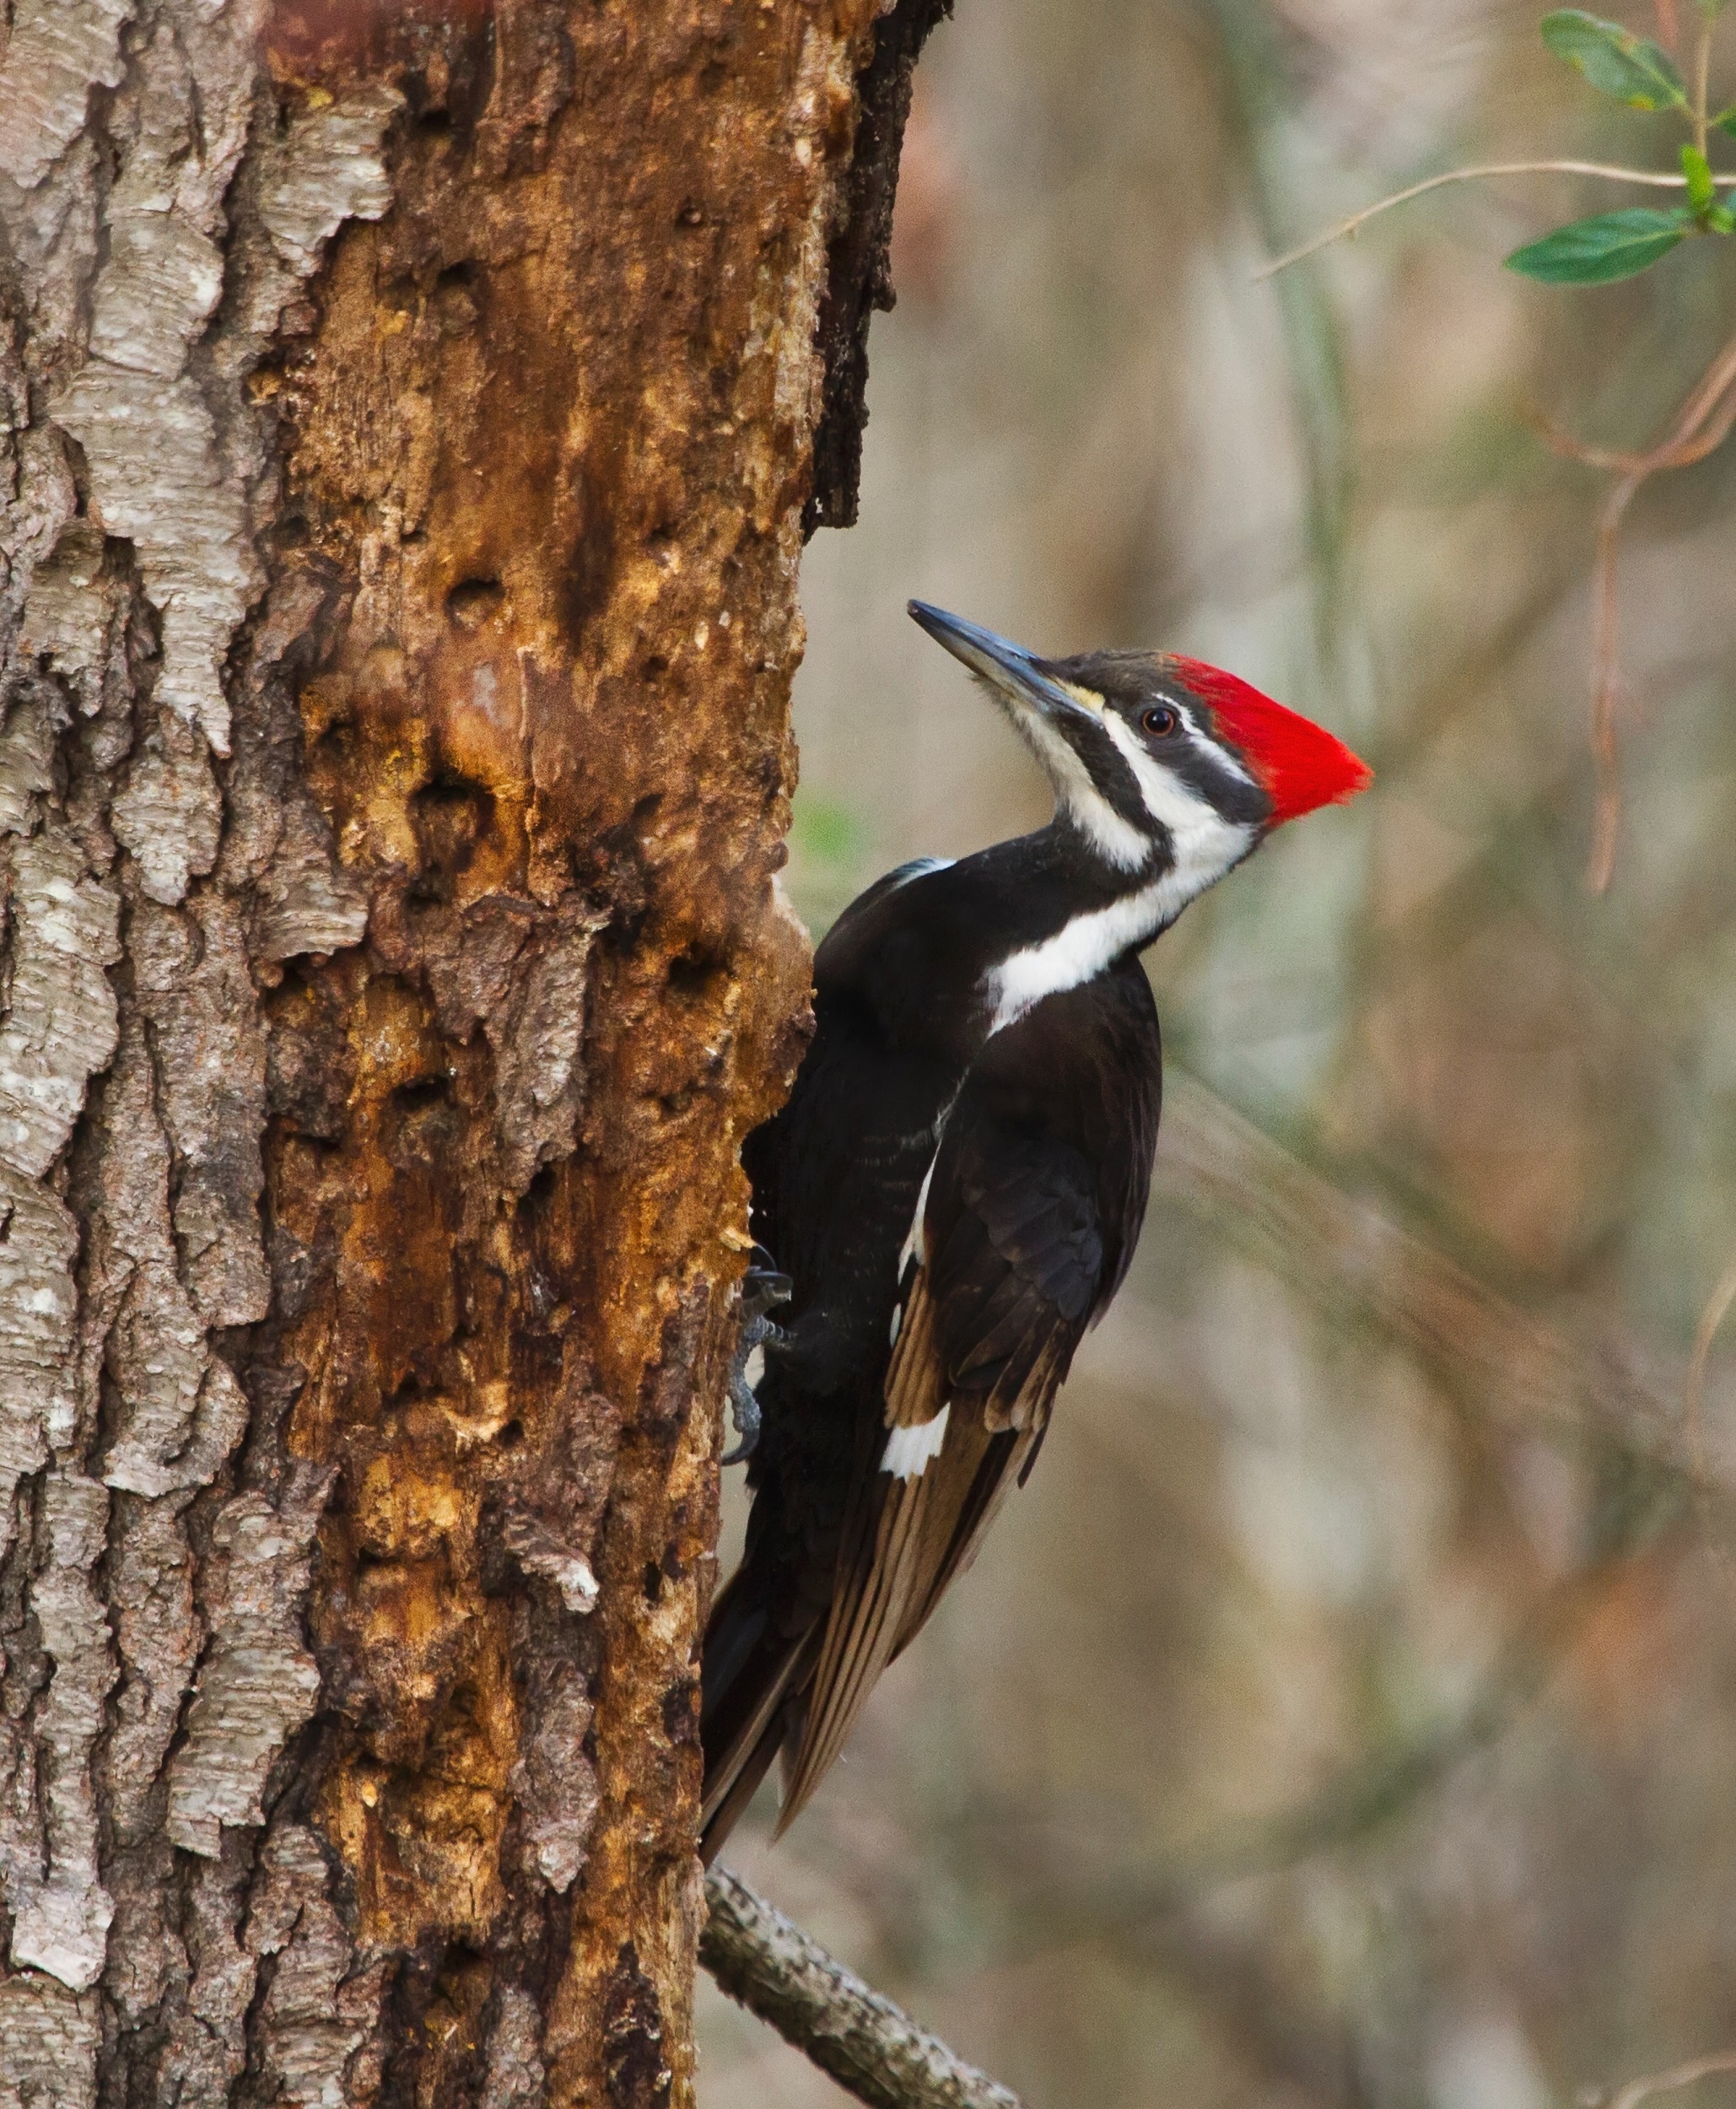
1087	698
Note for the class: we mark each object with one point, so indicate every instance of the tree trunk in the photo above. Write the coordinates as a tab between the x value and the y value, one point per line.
409	414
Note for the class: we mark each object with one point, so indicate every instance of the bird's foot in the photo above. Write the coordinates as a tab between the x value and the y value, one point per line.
761	1286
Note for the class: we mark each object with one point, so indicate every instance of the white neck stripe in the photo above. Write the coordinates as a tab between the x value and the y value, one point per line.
1088	944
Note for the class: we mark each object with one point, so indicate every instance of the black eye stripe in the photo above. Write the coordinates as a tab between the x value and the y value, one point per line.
1130	683
1198	765
1191	755
1188	755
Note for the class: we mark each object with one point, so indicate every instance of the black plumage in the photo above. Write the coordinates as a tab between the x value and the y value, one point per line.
957	1185
1033	1208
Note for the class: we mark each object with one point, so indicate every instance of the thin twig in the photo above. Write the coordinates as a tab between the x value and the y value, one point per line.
1658	178
869	2046
1702	73
1694	1399
1606	687
1639	2090
1368	1794
1702	425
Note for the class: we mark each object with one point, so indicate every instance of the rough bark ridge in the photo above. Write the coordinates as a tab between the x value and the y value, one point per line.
858	277
405	421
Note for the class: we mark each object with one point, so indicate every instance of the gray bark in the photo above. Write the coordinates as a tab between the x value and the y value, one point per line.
135	472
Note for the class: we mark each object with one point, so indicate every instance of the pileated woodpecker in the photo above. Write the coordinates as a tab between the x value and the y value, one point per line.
958	1180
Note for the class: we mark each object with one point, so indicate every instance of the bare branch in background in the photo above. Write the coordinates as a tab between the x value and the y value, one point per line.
1368	1794
1639	2090
1712	1317
1701	427
870	2046
1658	178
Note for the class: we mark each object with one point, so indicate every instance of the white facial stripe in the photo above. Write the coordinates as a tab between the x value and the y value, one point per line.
1089	699
1167	799
1201	834
1117	841
909	1452
1221	754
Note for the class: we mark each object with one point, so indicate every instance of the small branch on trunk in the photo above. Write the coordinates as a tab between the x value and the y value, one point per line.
870	2046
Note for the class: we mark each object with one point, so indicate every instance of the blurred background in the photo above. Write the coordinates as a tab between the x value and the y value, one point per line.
1346	1711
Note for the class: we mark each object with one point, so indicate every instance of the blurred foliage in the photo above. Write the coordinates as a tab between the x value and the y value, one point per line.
829	840
1310	1732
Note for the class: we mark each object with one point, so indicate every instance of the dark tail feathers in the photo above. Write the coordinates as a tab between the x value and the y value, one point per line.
753	1685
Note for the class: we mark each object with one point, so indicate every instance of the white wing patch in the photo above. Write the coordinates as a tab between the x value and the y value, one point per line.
909	1452
916	1245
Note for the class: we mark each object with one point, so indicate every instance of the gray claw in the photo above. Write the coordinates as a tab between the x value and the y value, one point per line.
761	1286
744	1411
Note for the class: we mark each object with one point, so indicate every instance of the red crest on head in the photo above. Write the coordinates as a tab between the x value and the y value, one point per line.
1299	763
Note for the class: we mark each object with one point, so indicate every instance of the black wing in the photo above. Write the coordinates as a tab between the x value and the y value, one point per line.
835	1175
1032	1208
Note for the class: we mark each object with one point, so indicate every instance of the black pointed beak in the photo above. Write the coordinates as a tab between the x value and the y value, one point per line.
1016	676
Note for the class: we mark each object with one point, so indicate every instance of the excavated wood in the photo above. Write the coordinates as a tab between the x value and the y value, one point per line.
407	416
870	2046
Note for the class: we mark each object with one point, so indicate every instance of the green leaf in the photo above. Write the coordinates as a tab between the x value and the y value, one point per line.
1726	120
1591	252
1711	10
1701	192
1631	68
1720	219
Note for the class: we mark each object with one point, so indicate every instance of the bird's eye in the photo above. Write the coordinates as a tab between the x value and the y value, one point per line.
1160	721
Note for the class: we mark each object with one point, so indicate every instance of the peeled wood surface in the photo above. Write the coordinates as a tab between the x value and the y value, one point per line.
410	411
870	2046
